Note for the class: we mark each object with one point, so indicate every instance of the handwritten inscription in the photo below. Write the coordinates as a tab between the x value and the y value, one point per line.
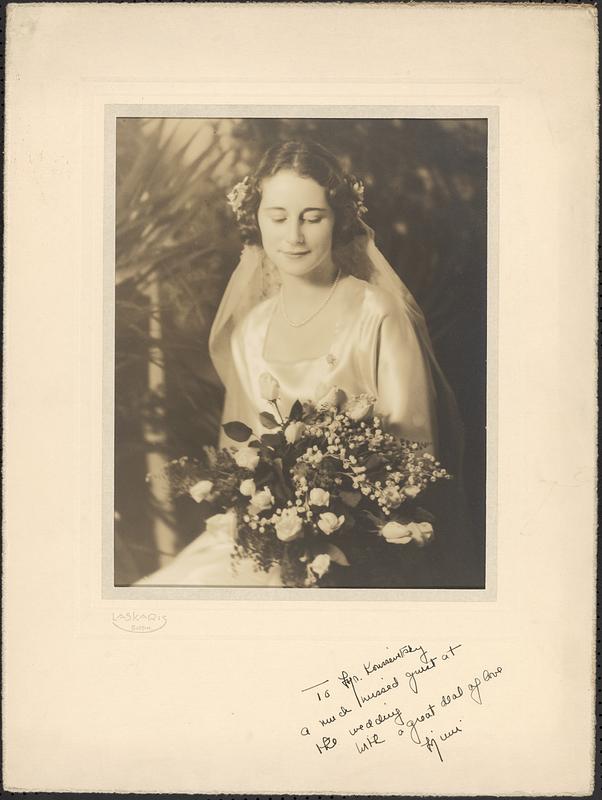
391	699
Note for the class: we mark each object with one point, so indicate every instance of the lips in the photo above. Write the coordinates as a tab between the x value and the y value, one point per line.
304	253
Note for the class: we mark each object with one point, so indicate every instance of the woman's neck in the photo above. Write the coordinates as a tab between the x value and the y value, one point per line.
305	287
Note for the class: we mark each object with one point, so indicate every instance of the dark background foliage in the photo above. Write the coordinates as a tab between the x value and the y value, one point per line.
177	245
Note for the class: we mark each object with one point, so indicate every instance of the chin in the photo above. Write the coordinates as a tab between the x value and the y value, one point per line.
297	271
303	265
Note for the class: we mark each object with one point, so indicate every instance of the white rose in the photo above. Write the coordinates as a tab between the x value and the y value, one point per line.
247	457
392	496
422	532
396	533
319	497
293	432
289	525
411	491
201	491
320	564
247	487
269	387
358	408
261	501
333	398
329	522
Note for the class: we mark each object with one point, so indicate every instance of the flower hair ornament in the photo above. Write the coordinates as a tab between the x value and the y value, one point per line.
236	196
357	188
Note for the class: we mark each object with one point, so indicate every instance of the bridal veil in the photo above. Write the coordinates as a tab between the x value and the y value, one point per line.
255	279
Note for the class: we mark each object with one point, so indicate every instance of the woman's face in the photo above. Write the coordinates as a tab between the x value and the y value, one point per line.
296	223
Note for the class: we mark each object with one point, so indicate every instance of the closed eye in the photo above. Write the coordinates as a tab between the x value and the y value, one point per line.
311	220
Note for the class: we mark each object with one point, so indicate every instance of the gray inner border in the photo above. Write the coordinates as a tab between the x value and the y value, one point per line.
271	594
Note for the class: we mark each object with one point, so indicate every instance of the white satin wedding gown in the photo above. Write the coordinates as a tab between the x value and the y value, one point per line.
375	351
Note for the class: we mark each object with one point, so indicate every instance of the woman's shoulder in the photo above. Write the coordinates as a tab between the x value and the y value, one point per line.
253	319
369	298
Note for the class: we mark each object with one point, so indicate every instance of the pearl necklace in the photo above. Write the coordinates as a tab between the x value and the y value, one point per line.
314	313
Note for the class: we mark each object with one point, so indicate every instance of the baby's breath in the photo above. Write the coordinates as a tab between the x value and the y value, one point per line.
360	472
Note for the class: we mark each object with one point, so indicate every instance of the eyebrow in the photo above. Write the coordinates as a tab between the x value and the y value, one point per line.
280	208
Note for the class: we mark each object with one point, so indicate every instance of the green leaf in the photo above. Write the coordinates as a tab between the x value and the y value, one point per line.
351	499
274	439
374	462
337	555
422	515
237	431
376	522
280	488
268	420
296	411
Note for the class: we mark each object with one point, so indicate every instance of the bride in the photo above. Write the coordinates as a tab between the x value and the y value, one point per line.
316	305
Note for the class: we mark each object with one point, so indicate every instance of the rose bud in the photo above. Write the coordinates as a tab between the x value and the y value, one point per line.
396	533
247	487
293	432
201	491
422	532
329	522
247	457
269	387
320	564
358	408
333	398
289	525
262	501
319	497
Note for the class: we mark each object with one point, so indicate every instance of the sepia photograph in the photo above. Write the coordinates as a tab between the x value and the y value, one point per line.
300	348
300	480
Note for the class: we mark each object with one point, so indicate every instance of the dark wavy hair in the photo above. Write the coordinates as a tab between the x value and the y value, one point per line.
309	160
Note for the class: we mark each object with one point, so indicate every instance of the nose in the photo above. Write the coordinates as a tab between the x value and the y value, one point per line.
294	234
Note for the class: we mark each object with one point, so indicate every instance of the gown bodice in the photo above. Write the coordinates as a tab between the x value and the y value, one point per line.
372	352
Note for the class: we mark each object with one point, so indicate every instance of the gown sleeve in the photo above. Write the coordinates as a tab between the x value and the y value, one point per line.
405	392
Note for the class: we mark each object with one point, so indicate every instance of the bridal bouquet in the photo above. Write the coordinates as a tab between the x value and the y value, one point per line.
325	489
